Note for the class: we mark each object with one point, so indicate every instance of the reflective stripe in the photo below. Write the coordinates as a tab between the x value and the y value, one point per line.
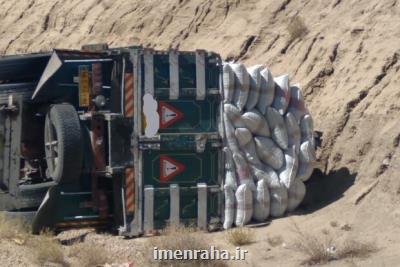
128	95
174	75
202	206
200	75
174	205
148	208
129	190
148	72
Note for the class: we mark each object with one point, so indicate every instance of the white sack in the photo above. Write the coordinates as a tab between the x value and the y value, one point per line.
307	155
268	174
279	201
271	142
282	94
228	79
268	152
244	207
288	172
296	105
307	129
230	134
267	91
247	145
261	202
278	128
307	152
296	195
255	85
305	170
230	208
256	123
242	168
242	85
243	136
234	115
293	131
230	172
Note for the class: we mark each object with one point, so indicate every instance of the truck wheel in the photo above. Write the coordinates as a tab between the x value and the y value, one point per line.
63	143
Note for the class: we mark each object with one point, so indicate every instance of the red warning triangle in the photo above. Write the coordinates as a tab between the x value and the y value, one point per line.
168	115
169	168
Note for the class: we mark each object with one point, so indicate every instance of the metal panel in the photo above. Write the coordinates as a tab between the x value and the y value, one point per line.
148	208
148	72
136	225
97	130
77	208
23	89
119	150
118	201
162	206
188	206
196	167
189	142
200	75
175	205
15	151
6	153
197	116
221	130
202	217
186	150
174	75
2	143
196	75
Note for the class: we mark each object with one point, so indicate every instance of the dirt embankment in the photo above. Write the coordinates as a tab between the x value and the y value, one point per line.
347	62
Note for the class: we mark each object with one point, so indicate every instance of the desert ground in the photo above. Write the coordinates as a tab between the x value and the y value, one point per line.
346	58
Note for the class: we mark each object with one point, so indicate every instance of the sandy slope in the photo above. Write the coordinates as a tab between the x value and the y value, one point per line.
348	65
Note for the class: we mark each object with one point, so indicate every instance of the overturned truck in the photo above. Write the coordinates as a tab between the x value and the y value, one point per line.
133	139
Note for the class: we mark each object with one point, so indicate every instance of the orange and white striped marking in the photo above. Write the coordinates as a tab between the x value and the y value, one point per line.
128	90
129	190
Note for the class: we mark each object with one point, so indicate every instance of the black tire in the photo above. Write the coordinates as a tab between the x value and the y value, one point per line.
63	144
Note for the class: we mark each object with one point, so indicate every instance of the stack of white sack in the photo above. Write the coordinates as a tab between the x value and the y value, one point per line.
270	147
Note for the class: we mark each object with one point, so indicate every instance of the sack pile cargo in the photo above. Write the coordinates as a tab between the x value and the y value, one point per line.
270	148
